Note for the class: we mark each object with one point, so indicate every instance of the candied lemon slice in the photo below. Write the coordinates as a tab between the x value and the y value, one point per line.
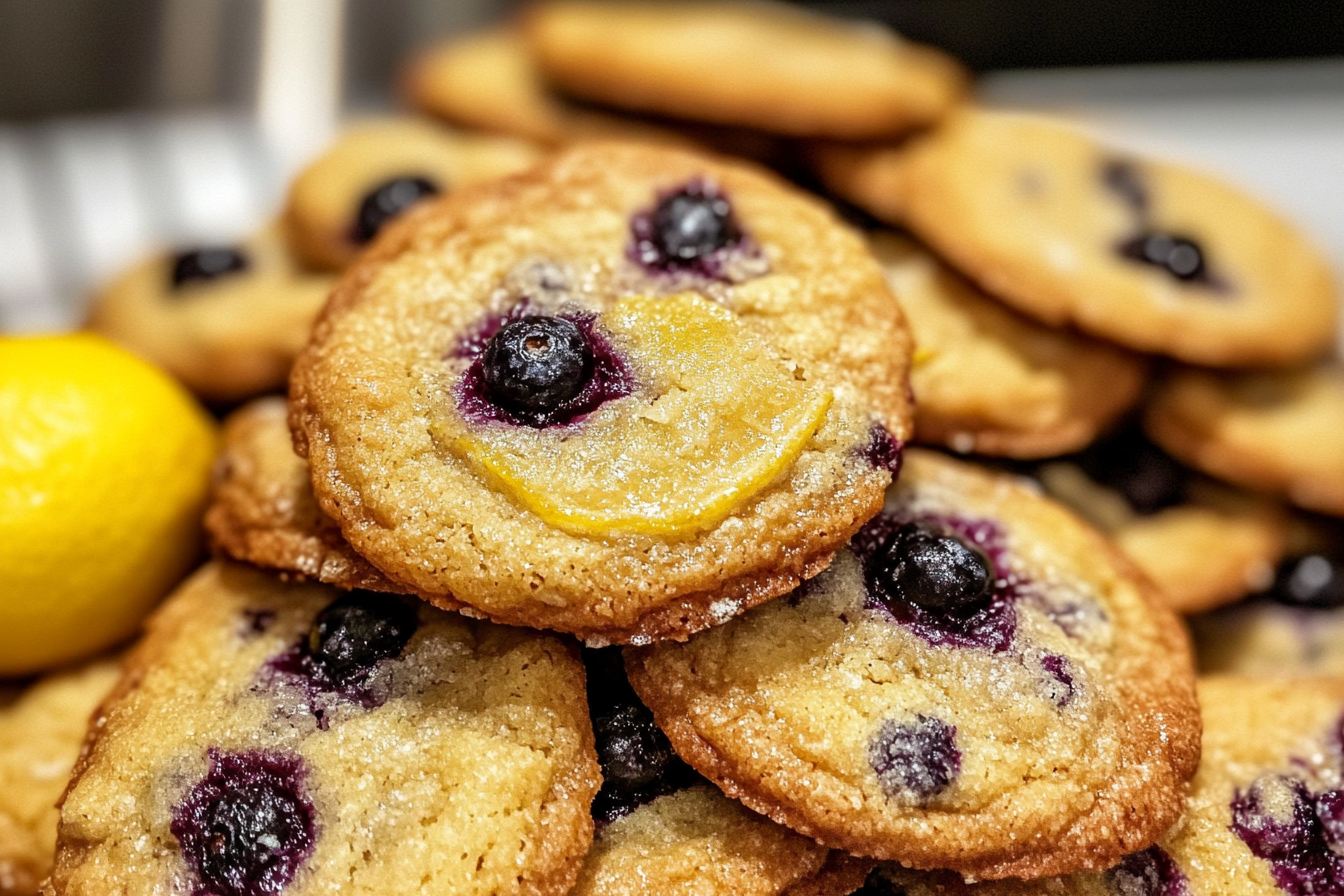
717	417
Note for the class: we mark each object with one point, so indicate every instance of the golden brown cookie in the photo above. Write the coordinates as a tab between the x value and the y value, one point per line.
268	738
378	169
40	735
990	381
678	382
1142	253
225	320
981	683
262	510
768	66
1278	431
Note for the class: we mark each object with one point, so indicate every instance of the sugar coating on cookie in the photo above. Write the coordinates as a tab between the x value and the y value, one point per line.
375	171
262	510
679	383
1146	254
40	736
989	381
980	684
273	738
226	320
760	65
1277	431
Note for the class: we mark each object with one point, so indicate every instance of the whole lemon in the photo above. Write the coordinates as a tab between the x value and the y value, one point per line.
104	467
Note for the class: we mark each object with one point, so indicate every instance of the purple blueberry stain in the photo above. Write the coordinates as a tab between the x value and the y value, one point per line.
690	229
883	451
915	759
247	827
943	578
1149	872
539	370
1061	684
1297	832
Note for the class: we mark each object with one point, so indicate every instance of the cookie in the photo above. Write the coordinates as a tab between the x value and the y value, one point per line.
262	510
1146	254
40	734
274	738
761	65
989	381
661	829
1262	817
980	683
378	169
225	320
678	382
1278	431
1202	543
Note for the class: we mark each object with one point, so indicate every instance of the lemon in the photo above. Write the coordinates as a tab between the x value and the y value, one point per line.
104	467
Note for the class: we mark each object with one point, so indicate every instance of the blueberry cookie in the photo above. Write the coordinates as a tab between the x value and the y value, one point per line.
292	739
1202	543
40	734
1263	819
225	320
664	830
680	384
377	170
761	65
262	510
989	381
980	683
1278	431
1146	254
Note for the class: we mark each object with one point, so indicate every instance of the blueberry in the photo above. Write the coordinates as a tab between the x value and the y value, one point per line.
207	264
1275	818
917	758
1148	477
940	573
883	450
1179	256
1311	580
1329	808
1150	872
247	827
534	364
1124	180
355	633
387	200
686	227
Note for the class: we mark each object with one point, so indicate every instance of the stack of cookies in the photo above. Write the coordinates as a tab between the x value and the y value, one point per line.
590	550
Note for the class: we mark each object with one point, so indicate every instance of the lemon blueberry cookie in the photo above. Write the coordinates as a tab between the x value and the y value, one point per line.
225	320
680	384
271	738
1146	254
761	65
979	683
1278	431
262	510
990	381
378	169
40	735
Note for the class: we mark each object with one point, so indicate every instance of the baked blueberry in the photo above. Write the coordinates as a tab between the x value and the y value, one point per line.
1150	872
685	228
1179	256
247	827
1329	808
535	364
207	263
1297	832
355	633
389	199
884	451
1124	180
1309	580
939	572
916	759
1148	477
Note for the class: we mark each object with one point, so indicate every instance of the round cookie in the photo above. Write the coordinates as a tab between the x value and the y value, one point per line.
284	739
679	383
980	684
760	65
226	321
378	169
40	735
1203	544
1262	818
1146	254
1276	431
262	510
989	381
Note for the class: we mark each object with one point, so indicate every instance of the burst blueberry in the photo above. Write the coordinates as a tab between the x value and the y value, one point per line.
1150	872
355	633
387	200
535	364
206	264
917	758
938	572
